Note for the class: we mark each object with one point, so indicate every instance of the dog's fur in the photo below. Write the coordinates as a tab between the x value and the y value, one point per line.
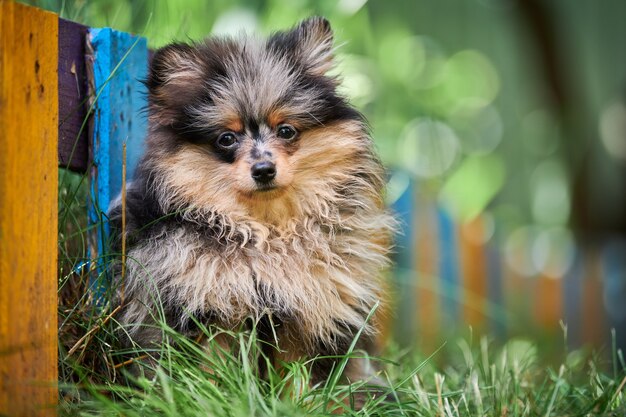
301	256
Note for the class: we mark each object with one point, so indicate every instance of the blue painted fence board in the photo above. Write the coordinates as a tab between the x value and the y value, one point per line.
448	267
404	257
120	63
614	276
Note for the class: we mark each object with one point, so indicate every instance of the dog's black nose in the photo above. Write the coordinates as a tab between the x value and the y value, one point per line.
264	171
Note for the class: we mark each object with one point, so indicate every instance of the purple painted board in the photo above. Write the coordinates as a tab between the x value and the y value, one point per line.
497	311
614	277
120	63
73	149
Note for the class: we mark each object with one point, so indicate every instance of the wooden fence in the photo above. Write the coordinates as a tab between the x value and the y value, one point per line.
446	276
452	275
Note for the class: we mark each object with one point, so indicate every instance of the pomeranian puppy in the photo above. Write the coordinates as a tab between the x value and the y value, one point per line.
259	199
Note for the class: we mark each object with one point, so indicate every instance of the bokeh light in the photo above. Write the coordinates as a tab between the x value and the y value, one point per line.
550	193
469	190
479	126
235	21
402	57
356	73
613	130
469	76
429	147
518	251
553	252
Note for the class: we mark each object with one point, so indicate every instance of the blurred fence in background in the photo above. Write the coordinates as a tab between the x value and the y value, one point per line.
451	275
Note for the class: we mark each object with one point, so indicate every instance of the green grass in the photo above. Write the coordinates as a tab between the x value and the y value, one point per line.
459	379
462	377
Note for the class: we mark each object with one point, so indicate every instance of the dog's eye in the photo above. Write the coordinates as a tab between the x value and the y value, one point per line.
227	140
286	132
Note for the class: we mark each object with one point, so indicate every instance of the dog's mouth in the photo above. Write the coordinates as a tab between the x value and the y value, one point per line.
264	192
266	187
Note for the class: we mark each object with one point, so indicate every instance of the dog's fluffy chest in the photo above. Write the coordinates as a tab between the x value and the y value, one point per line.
308	275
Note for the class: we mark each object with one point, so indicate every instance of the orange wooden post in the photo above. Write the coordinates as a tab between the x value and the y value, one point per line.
474	273
548	300
28	210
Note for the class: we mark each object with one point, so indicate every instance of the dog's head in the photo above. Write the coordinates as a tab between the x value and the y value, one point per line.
249	121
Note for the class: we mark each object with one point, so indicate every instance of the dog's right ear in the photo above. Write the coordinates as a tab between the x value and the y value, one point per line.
176	73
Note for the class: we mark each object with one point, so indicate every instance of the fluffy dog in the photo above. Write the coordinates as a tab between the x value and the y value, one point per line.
259	198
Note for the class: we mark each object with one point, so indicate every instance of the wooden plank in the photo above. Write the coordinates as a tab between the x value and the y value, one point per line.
73	96
403	207
448	269
28	210
474	273
548	298
73	148
428	289
120	63
497	311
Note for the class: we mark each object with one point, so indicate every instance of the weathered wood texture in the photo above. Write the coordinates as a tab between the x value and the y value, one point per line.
28	210
120	63
73	106
73	152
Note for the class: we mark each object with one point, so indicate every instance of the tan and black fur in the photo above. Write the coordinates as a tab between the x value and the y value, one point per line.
300	251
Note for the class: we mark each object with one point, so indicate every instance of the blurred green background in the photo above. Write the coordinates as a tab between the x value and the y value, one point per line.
511	110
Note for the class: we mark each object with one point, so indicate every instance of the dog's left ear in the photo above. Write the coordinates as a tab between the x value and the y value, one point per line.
316	44
312	43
